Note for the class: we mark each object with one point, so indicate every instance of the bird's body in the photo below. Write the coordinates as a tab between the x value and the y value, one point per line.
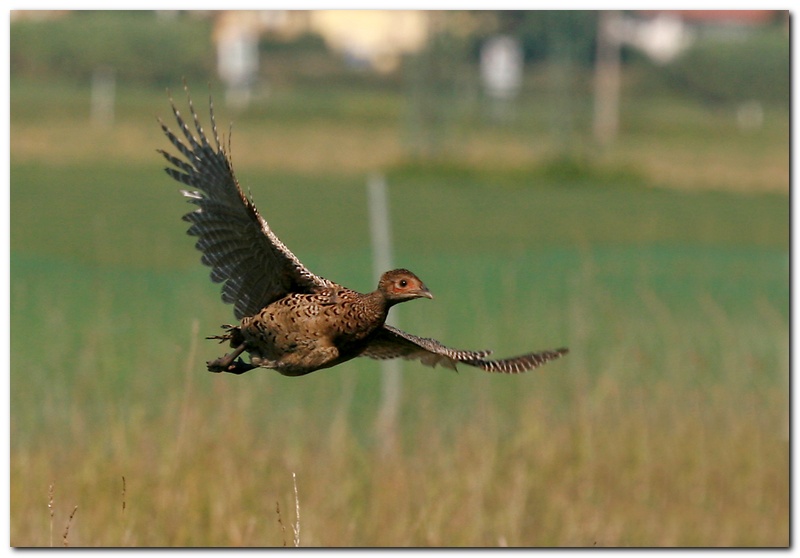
292	320
300	333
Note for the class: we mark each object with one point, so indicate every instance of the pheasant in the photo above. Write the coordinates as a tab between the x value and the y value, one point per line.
291	320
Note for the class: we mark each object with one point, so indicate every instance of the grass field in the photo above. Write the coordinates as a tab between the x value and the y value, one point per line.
666	425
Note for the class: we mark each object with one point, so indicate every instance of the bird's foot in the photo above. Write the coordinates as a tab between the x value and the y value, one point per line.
228	363
223	364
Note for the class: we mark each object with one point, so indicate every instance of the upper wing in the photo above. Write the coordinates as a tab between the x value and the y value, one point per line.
237	243
391	342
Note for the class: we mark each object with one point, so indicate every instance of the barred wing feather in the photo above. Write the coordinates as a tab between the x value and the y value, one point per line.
391	342
518	364
255	267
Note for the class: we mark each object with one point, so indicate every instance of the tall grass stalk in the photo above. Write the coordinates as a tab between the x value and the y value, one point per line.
51	510
296	526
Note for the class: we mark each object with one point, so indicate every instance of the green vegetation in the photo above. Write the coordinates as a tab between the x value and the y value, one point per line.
736	70
662	263
716	69
132	43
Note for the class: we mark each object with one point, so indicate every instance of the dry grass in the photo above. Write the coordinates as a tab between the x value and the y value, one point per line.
709	167
619	463
714	156
310	148
674	473
657	433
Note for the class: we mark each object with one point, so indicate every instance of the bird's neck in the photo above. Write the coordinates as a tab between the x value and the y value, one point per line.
378	303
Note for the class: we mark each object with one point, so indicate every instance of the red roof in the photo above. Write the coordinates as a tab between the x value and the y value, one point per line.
747	17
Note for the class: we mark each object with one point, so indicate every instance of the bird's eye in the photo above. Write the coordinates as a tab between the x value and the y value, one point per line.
403	283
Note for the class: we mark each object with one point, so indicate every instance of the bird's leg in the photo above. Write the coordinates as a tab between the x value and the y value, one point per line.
228	363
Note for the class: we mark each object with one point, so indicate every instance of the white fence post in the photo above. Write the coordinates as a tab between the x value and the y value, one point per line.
103	93
380	232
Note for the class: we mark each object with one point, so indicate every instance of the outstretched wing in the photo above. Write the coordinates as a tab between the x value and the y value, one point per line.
391	342
244	254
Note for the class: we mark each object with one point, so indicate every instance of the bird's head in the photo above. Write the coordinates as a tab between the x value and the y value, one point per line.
400	285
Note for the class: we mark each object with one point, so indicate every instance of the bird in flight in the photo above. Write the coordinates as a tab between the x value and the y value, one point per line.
291	320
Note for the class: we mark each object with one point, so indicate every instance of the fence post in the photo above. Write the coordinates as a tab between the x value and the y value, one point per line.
391	381
103	92
607	78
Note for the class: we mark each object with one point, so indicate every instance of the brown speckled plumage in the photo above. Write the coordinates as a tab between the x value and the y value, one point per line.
292	320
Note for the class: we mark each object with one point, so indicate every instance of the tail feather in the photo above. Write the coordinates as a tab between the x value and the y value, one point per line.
515	365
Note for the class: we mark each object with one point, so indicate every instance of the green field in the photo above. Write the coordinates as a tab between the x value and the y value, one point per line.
667	424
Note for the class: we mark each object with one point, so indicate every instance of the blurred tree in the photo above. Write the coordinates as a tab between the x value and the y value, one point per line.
542	32
563	40
754	66
434	81
139	46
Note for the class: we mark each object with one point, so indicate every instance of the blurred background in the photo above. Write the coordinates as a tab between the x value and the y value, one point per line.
614	182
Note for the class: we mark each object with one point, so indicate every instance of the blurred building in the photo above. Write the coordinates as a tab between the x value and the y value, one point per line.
236	37
722	18
16	15
374	38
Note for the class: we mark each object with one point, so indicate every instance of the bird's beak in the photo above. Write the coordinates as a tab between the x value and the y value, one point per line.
425	292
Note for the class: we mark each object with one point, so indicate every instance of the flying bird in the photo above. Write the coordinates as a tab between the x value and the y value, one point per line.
291	320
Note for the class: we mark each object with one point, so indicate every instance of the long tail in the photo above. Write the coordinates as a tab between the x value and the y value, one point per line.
515	365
